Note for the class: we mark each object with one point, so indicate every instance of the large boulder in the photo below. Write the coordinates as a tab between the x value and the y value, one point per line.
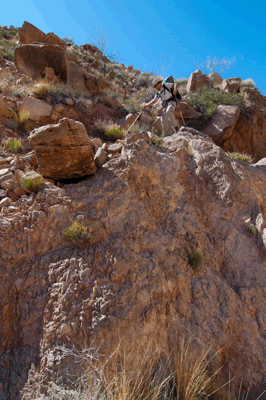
197	80
185	110
30	34
231	85
36	109
215	79
222	123
32	59
63	150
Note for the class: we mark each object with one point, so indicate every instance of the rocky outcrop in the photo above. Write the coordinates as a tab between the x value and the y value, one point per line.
222	123
248	135
63	150
95	85
231	85
29	34
215	79
32	59
197	80
147	211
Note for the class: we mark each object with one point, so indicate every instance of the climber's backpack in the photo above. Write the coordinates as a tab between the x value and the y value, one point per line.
175	97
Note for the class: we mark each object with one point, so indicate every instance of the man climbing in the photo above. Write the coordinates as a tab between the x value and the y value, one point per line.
169	95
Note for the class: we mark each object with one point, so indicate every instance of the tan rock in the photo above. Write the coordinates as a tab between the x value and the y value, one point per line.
197	80
5	175
111	102
131	138
231	85
32	59
115	148
5	202
101	157
97	142
13	196
215	79
156	127
36	108
63	150
222	123
126	121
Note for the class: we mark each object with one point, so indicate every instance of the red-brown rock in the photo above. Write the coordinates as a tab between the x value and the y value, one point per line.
32	59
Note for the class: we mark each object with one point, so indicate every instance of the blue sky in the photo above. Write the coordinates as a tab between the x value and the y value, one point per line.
152	35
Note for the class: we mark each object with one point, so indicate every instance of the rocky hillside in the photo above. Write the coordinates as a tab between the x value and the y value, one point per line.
138	238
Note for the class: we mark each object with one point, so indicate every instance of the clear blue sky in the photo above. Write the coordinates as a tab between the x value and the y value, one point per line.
152	34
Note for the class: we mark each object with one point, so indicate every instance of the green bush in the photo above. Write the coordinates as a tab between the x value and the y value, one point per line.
114	131
7	48
33	184
241	157
77	233
195	260
206	100
15	145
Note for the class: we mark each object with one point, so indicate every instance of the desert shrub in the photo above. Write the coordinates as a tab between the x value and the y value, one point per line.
41	89
77	232
206	100
250	228
23	116
7	48
59	91
241	157
157	142
15	145
8	33
33	184
114	132
195	260
68	42
143	81
248	83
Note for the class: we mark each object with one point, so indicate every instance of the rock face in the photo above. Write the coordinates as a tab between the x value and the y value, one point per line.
32	59
249	131
75	76
147	210
222	123
29	34
215	79
197	80
63	150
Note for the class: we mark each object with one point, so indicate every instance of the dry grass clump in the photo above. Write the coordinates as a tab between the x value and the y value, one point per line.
241	157
130	374
41	89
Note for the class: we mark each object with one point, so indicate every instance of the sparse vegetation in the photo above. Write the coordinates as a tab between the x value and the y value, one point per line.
41	89
195	260
7	48
77	232
114	131
241	157
248	83
217	64
33	184
250	228
206	100
157	141
15	145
